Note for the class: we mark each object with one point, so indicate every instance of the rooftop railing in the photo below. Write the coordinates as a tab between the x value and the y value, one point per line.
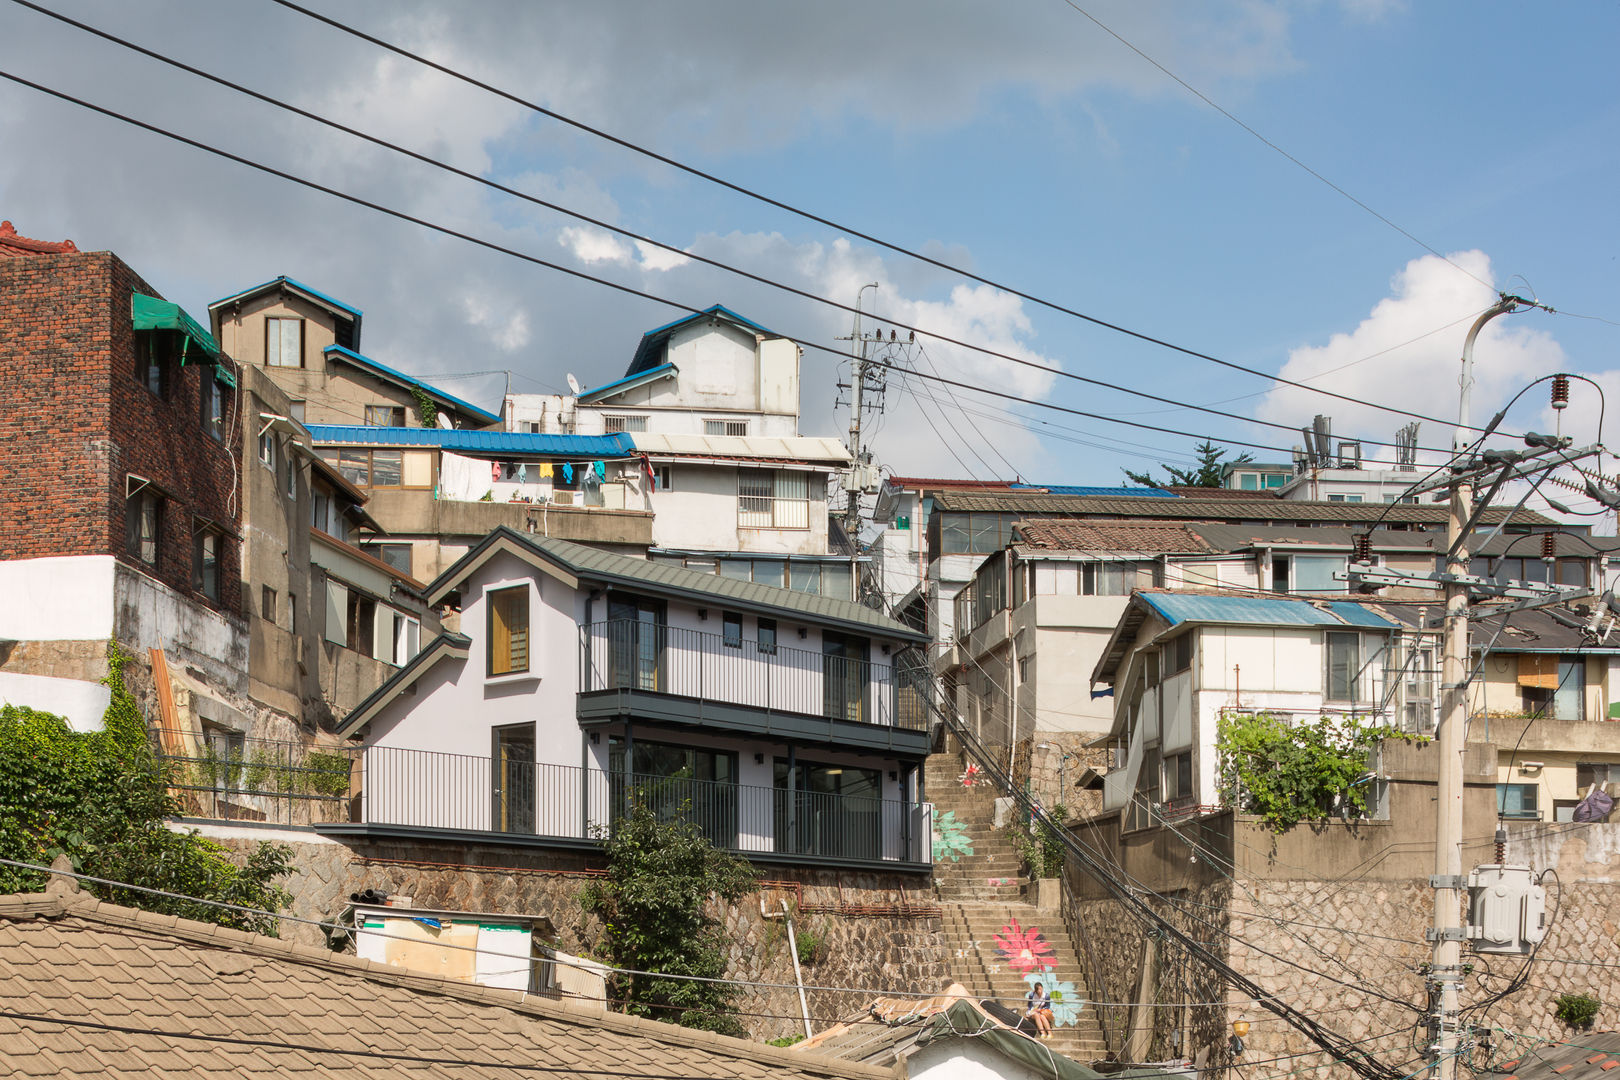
225	776
431	790
647	657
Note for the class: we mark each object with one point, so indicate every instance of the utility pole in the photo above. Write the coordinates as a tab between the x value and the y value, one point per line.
1446	975
855	481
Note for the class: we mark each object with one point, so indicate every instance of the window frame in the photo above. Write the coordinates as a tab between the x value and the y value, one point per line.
202	566
725	427
760	495
496	600
281	351
1352	672
215	406
731	630
664	478
155	355
135	538
267	450
615	423
762	628
393	413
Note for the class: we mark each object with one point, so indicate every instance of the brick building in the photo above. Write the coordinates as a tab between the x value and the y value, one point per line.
120	438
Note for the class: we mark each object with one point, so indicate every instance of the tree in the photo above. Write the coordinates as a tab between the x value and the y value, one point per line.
101	798
653	903
1207	474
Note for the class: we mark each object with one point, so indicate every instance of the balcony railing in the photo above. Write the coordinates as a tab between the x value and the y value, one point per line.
228	777
432	790
647	657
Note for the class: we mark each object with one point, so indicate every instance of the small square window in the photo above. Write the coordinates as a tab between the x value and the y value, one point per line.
733	631
296	411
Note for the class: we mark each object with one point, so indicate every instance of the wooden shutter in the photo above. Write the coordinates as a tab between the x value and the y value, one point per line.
509	631
1538	670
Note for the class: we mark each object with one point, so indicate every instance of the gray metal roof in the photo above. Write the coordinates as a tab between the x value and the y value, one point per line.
606	567
1281	511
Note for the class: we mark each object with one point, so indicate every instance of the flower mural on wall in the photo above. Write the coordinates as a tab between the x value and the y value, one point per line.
1066	999
971	775
951	840
1025	950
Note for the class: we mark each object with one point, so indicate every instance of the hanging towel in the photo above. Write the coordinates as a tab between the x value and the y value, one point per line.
601	470
568	473
545	470
494	470
652	477
523	474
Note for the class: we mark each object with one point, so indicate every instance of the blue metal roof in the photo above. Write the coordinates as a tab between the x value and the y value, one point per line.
642	361
1179	608
284	279
412	381
478	442
629	381
1069	489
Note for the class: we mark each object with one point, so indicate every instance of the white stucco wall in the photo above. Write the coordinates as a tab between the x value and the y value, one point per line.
698	512
66	598
81	704
966	1059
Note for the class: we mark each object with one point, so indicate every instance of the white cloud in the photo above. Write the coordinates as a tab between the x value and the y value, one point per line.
656	258
507	329
1407	352
593	245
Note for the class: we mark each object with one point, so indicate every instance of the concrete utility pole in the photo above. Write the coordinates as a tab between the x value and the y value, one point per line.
1445	976
855	482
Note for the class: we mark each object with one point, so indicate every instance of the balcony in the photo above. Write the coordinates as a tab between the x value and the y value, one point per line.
426	794
648	672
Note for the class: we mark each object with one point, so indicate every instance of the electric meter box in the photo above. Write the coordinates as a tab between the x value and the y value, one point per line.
1507	910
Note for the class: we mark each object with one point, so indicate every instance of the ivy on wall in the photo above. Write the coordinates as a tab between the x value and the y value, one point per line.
101	798
426	411
1291	772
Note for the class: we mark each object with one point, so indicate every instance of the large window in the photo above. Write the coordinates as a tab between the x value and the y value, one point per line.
772	499
1552	686
678	782
143	524
974	533
828	810
1518	801
844	675
283	342
509	631
1115	578
383	468
1343	667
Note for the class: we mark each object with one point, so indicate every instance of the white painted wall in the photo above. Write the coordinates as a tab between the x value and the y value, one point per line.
698	512
150	615
65	598
967	1059
81	704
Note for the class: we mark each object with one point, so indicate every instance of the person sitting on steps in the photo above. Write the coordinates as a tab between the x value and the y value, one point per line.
1038	1007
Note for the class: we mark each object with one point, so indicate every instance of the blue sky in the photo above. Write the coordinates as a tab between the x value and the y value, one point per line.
1018	140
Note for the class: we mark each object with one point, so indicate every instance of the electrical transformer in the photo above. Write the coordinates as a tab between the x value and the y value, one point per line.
1507	910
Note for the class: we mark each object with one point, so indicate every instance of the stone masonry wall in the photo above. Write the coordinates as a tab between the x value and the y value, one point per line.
883	950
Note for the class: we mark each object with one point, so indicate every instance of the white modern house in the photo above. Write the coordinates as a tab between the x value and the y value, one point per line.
791	727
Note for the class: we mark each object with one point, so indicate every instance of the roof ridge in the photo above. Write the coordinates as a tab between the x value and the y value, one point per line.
210	934
9	237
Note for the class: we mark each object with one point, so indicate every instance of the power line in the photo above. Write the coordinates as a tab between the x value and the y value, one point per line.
602	224
809	216
619	287
1201	96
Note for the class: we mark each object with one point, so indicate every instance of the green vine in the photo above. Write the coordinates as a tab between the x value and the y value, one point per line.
1577	1010
426	411
1292	772
1042	849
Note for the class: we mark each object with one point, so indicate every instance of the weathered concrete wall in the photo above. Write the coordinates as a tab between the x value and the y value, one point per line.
872	945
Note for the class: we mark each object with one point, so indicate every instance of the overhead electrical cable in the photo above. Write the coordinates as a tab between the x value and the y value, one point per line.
898	249
1174	403
631	290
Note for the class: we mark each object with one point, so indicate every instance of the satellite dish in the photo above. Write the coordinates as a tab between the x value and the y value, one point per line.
573	384
444	422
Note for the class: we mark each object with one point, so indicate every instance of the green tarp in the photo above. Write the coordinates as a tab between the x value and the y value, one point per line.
150	313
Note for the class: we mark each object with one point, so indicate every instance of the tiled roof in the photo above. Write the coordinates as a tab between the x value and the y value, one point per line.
1069	534
1187	492
92	989
1585	1057
1080	489
1261	509
13	246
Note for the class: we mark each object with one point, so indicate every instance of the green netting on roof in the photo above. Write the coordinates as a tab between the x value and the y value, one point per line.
150	313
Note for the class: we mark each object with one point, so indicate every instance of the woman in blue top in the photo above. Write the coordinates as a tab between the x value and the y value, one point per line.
1038	1007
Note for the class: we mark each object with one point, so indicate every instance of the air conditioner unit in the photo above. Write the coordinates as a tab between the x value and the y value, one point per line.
564	498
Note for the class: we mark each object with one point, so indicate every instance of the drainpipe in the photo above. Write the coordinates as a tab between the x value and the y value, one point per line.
793	947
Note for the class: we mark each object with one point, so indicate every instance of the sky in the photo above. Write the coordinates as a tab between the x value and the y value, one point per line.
1329	190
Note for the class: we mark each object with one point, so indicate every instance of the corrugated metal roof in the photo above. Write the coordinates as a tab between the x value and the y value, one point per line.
476	442
1177	608
412	382
757	447
1266	510
588	563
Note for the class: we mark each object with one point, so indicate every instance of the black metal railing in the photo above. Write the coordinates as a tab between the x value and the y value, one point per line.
229	777
429	789
649	657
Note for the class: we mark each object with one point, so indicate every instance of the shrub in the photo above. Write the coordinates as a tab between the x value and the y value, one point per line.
1577	1010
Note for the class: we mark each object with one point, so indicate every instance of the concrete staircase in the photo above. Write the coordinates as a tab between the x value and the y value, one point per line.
980	895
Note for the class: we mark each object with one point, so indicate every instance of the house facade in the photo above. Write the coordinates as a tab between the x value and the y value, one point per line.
791	727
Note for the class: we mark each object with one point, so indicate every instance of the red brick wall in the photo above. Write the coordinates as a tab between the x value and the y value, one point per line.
74	421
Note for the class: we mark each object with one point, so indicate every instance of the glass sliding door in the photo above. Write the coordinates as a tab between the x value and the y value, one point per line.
636	642
678	783
512	776
833	810
844	676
